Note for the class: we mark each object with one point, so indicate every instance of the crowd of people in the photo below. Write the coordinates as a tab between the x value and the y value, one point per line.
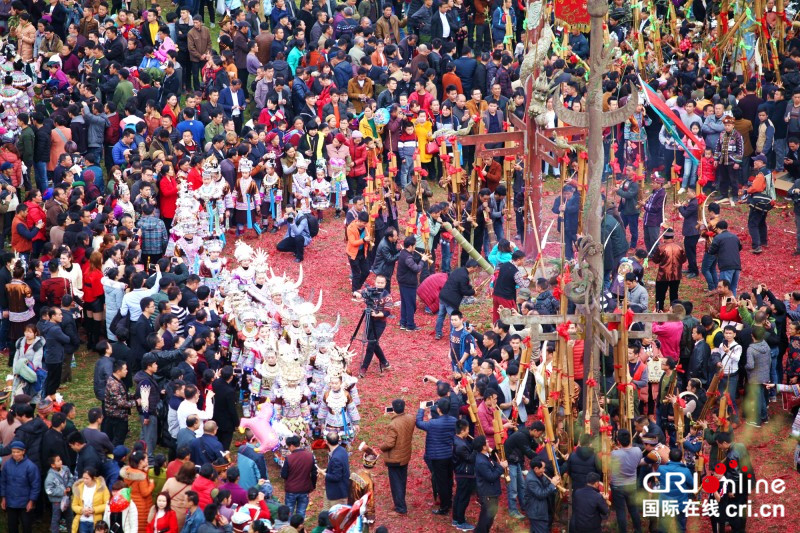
139	141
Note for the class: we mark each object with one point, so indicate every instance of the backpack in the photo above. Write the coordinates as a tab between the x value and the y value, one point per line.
313	224
121	325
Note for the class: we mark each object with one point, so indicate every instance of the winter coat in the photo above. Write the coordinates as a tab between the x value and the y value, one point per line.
580	464
141	492
537	494
758	362
386	256
487	476
56	483
408	269
168	522
99	501
614	234
456	287
670	257
439	434
31	434
397	447
20	482
7	156
203	487
726	246
588	510
55	342
337	476
252	466
429	291
178	501
148	390
300	472
25	376
699	362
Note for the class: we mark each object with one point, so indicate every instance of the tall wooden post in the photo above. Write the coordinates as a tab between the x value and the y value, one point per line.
595	120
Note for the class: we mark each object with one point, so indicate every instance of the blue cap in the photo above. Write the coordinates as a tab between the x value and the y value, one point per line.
6	166
120	452
18	445
47	194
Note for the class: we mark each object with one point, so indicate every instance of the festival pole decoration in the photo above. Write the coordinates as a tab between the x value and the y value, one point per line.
583	157
497	423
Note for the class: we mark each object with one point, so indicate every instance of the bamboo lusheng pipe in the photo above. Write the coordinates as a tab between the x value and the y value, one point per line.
467	247
497	426
711	394
723	424
473	407
781	30
551	438
637	19
726	39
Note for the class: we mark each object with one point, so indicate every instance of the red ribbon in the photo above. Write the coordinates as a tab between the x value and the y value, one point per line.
591	382
680	369
563	330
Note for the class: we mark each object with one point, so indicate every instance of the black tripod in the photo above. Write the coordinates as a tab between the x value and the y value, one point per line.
366	320
371	337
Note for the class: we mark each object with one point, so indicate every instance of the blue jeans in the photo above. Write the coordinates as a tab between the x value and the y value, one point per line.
729	384
297	502
732	276
447	256
516	489
631	222
40	174
408	306
779	145
756	402
98	154
444	311
689	173
86	527
709	270
149	434
58	515
406	168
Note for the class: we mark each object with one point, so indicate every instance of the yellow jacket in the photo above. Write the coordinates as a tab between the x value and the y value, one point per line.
99	501
423	136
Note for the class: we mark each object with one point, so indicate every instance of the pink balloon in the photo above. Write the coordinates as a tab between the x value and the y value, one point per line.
261	427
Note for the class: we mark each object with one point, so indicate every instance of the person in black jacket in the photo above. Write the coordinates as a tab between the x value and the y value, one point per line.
87	455
455	289
509	278
691	234
700	359
70	329
31	433
140	330
488	472
589	507
225	414
408	269
375	323
518	446
56	342
582	462
54	443
727	247
464	469
386	255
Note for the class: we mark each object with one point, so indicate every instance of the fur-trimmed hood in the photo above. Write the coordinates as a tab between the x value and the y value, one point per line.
132	474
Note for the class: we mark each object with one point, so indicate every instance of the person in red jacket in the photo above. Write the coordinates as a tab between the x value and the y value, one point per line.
167	194
22	235
358	172
36	213
9	155
162	518
94	299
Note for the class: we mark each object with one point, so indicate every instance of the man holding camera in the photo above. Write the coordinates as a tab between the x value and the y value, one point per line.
397	454
298	236
376	298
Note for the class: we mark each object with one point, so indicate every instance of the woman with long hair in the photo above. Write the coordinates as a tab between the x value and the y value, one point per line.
94	299
172	109
162	518
167	194
177	487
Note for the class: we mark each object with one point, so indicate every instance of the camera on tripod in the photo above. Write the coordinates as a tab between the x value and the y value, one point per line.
372	297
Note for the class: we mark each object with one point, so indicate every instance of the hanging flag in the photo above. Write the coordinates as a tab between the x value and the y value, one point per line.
573	12
673	124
